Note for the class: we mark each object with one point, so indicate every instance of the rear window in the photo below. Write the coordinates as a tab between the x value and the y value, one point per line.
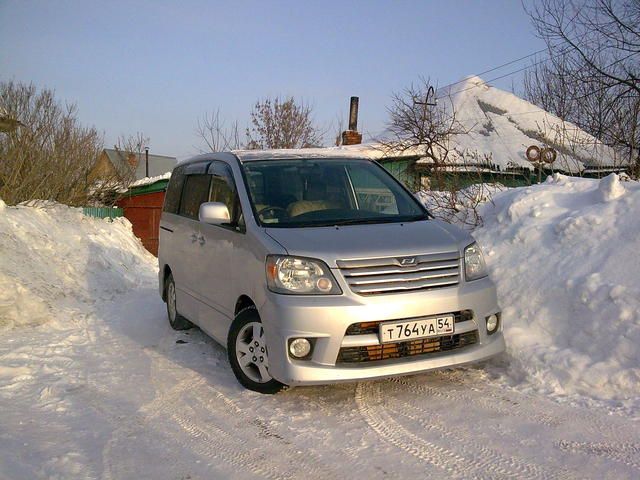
174	191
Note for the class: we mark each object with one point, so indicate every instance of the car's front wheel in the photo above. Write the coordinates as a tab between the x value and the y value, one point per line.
248	355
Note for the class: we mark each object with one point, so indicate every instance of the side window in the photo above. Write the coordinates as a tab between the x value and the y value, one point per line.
194	194
174	191
223	189
372	194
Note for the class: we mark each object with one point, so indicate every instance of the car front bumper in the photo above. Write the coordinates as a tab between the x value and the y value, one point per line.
325	319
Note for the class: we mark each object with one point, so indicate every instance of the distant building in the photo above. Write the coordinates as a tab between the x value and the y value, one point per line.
114	164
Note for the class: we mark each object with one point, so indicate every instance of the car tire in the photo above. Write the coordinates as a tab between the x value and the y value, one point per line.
247	351
177	321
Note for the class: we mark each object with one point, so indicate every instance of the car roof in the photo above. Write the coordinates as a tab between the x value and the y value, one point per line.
243	156
297	153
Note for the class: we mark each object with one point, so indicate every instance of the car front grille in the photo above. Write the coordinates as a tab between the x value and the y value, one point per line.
364	328
411	348
401	274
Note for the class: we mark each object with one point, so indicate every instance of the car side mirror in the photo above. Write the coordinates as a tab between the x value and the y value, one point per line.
214	213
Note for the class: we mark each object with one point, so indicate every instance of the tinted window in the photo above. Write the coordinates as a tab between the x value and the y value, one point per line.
194	194
223	189
174	191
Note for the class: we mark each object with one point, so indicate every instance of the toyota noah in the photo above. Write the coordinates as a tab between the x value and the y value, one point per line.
313	269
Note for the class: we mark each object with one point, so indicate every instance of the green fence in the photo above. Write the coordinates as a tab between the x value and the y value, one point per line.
103	212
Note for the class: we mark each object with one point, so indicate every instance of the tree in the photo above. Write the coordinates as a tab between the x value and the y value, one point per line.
592	77
421	126
50	157
131	150
215	134
282	123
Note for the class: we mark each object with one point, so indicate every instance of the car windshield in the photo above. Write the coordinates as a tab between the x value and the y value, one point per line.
327	192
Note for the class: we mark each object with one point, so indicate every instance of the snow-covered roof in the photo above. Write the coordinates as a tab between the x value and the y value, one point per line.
150	180
502	126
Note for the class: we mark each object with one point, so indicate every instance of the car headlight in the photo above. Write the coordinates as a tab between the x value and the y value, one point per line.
474	266
298	275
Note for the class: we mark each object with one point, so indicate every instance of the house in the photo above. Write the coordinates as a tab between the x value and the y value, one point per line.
116	164
498	128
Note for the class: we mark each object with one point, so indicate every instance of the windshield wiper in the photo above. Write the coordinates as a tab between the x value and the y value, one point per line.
363	221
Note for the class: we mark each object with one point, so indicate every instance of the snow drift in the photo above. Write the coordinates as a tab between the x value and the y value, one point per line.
565	256
54	259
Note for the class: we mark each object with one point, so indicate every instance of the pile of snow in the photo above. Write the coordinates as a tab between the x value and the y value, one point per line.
54	259
565	256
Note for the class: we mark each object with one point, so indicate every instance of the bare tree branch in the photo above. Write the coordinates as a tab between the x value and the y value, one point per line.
282	123
50	158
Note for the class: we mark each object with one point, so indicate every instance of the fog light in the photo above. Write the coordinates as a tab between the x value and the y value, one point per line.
492	323
300	347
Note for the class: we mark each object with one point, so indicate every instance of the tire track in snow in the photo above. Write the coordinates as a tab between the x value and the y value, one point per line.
540	409
509	407
504	466
126	426
622	453
368	398
236	445
357	460
306	463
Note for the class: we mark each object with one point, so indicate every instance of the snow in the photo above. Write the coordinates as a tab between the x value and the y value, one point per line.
565	257
56	261
94	383
150	180
502	125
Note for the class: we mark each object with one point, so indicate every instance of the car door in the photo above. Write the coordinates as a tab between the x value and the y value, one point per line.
187	239
216	285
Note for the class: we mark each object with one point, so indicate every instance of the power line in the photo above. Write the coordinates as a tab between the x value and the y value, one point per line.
498	67
484	82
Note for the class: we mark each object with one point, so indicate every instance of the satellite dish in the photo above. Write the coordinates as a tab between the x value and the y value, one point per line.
548	155
533	154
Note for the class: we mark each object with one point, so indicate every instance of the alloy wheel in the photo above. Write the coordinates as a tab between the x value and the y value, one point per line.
251	352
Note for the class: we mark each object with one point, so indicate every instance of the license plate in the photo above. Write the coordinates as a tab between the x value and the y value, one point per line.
414	329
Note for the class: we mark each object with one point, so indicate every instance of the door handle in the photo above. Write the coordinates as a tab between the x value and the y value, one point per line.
201	240
194	238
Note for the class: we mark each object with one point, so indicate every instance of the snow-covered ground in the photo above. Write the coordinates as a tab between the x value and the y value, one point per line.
94	384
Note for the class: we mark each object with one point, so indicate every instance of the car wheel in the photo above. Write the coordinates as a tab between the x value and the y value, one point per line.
248	356
177	321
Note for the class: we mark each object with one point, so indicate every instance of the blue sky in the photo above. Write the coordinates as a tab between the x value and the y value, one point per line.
156	66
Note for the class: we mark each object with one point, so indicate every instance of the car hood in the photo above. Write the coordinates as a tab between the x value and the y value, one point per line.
371	241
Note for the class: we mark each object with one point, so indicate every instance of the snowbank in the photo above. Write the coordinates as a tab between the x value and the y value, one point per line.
566	259
53	259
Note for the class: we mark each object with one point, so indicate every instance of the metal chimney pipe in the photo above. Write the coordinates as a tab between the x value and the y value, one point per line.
146	155
353	114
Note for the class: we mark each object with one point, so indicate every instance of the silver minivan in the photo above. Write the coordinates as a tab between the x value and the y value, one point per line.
315	269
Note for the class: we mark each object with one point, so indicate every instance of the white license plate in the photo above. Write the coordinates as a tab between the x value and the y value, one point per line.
414	329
